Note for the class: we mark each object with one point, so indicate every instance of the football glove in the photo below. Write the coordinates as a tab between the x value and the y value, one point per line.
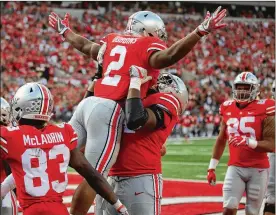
239	141
120	208
139	72
211	177
211	22
59	25
98	74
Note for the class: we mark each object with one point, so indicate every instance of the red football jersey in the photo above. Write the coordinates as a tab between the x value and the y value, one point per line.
209	118
186	121
140	150
39	160
122	52
248	122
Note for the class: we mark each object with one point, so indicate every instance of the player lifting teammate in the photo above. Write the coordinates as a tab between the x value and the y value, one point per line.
39	154
248	124
142	44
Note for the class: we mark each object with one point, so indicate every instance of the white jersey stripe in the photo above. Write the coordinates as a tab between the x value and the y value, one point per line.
3	140
272	111
175	99
73	139
4	149
153	48
270	107
170	102
159	45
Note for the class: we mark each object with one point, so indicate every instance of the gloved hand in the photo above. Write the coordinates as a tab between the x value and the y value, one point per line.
211	177
211	22
139	72
120	208
61	26
239	141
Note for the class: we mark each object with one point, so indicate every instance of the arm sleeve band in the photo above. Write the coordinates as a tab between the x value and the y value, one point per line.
88	94
136	114
159	114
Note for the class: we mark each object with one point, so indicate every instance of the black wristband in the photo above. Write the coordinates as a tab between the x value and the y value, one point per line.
88	94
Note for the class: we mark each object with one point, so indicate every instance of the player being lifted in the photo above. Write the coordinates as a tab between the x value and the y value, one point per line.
269	208
143	44
39	154
8	206
248	124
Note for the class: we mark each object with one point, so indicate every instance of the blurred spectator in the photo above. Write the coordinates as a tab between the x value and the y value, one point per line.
32	51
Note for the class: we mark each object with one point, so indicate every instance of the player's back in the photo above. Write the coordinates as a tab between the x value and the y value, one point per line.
121	53
39	159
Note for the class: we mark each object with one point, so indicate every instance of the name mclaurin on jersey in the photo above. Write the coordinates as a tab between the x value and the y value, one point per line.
55	137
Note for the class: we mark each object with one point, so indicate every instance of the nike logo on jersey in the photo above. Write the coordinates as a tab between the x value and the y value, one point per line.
138	193
261	170
228	113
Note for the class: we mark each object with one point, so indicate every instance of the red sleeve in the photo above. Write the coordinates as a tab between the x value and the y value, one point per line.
73	137
150	45
270	107
3	143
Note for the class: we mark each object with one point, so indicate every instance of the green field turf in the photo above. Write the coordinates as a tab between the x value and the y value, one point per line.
191	160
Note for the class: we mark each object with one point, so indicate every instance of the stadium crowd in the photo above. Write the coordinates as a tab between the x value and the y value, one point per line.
32	51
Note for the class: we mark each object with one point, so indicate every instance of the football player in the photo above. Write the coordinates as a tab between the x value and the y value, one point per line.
248	124
136	176
143	44
269	208
39	154
8	206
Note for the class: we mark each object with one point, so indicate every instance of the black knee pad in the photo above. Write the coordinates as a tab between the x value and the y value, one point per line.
269	208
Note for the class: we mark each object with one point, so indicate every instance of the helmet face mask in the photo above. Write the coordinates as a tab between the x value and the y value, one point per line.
245	87
5	117
146	23
168	83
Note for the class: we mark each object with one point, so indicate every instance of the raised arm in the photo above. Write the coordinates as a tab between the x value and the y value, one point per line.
82	44
181	48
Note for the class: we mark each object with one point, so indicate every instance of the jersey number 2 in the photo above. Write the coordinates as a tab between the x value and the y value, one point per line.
37	170
115	66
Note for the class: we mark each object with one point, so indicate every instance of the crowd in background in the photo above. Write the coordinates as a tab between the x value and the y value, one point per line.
32	51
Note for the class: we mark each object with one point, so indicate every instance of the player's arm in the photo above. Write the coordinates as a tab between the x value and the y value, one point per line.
95	179
218	150
181	48
268	142
7	185
80	43
137	116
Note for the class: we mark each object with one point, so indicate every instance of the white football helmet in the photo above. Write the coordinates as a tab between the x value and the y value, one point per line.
243	96
273	89
146	23
32	101
5	116
168	83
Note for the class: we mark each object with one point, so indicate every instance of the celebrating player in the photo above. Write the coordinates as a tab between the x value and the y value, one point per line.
39	154
248	124
137	176
269	208
8	206
142	44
